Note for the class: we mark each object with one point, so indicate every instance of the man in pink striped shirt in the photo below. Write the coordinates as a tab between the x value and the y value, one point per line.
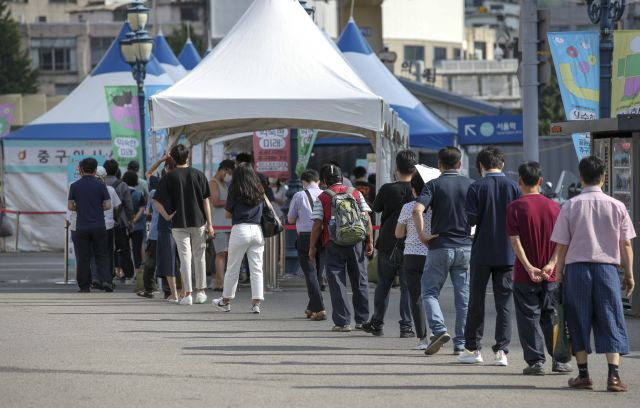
593	235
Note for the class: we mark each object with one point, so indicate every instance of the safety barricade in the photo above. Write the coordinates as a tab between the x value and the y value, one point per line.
18	213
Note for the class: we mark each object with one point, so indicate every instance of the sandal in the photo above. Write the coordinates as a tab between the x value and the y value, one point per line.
318	316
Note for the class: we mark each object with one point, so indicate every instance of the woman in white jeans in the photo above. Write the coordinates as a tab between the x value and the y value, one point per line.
244	207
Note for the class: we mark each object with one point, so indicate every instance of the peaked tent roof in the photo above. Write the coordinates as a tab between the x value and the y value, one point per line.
167	58
296	79
189	56
83	113
425	128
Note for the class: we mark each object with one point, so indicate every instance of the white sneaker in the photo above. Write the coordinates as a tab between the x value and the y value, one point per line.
501	359
201	297
422	345
187	300
470	357
255	308
171	300
219	303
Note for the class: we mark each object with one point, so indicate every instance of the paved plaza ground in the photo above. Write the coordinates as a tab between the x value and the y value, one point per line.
59	348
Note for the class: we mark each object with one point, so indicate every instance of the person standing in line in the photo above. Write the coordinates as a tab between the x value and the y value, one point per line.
219	186
122	218
342	259
449	247
593	236
142	187
530	221
101	174
300	211
491	256
138	223
244	207
389	202
414	258
186	191
279	191
360	182
89	198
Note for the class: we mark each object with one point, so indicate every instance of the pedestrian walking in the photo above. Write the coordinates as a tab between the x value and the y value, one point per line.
300	210
389	202
89	198
593	236
219	186
491	256
530	221
340	218
186	191
449	247
244	207
414	258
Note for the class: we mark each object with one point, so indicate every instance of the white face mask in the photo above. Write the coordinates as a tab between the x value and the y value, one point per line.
227	178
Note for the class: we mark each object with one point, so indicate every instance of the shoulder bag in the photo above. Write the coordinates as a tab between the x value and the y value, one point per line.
270	223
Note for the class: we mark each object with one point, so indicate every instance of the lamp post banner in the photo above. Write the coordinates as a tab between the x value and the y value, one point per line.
306	140
6	118
124	122
625	81
576	59
271	152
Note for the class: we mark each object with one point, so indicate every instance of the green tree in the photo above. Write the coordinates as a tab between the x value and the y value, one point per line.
550	108
179	36
16	74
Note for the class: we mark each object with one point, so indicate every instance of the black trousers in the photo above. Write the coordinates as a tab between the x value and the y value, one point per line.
137	238
413	268
387	272
502	287
149	274
535	306
312	270
123	251
90	243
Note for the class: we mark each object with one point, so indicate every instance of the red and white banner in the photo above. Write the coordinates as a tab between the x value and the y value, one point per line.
271	153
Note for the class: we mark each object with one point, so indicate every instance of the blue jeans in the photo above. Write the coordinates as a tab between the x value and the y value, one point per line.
440	263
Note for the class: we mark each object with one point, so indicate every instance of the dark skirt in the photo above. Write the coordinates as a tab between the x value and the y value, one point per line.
165	254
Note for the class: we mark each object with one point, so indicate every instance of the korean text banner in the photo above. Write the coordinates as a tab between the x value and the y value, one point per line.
625	81
576	60
306	140
271	152
124	121
6	118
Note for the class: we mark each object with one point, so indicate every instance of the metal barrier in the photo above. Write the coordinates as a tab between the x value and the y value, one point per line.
19	213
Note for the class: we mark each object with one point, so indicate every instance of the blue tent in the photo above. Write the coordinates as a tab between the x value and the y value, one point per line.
167	58
189	56
425	128
83	114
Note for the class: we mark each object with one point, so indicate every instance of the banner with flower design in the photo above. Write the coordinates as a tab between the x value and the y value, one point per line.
625	81
577	63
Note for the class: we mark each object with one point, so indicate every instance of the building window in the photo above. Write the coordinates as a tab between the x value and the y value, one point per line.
457	54
413	53
480	50
189	13
65	89
439	53
99	46
42	19
54	54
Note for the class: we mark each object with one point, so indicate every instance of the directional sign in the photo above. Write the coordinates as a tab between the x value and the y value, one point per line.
479	130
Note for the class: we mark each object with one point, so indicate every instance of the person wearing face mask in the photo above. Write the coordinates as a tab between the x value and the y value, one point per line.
219	186
279	194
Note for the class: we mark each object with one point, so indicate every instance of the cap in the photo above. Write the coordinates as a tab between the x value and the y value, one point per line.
101	172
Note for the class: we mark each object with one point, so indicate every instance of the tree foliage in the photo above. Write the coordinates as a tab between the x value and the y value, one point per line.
179	36
550	108
16	73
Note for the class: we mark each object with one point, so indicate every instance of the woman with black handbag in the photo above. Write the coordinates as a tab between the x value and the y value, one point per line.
245	205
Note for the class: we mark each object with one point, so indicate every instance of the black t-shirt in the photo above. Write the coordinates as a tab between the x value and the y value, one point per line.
242	213
183	190
389	202
446	196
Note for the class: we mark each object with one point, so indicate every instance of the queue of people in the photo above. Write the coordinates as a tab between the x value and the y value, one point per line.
451	226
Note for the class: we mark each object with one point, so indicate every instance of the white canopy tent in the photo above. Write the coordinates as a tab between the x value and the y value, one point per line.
275	69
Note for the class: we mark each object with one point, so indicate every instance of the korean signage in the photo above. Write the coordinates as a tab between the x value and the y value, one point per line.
124	121
271	152
479	130
306	140
6	118
46	156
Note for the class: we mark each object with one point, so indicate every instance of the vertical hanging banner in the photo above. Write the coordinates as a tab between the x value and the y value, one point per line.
306	140
576	60
124	122
271	152
159	137
625	81
6	118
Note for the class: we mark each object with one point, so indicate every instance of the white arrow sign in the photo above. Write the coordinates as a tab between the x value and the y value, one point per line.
469	130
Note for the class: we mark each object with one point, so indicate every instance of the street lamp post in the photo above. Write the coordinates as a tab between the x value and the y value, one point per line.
606	13
136	49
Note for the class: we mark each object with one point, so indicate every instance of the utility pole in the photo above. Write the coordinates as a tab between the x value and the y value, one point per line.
529	79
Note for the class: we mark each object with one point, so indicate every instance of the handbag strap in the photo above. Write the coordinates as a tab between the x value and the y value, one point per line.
309	198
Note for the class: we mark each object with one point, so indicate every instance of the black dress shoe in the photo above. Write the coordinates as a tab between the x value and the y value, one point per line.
106	286
84	290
